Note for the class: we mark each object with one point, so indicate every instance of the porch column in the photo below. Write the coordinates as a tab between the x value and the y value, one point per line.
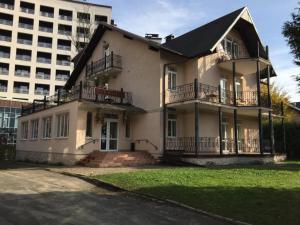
268	83
235	132
220	130
258	82
197	129
260	132
164	108
271	126
233	82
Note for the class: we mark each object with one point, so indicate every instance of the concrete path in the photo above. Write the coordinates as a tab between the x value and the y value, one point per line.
33	196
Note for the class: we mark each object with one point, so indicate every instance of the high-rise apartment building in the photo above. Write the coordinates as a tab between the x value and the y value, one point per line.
36	47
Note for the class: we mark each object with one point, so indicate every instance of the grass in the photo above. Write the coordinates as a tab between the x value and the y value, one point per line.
262	195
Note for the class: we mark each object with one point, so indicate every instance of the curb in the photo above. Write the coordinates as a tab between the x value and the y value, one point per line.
114	188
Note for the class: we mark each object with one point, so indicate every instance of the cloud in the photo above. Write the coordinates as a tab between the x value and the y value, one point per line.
162	16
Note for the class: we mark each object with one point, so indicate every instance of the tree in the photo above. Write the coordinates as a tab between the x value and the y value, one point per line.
291	31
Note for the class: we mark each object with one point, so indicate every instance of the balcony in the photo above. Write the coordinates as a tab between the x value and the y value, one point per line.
64	47
4	55
3	88
20	90
62	77
23	57
44	60
109	65
46	29
6	6
26	26
67	18
43	76
24	41
3	71
27	10
63	62
5	38
22	73
45	45
211	94
6	22
41	92
65	32
47	14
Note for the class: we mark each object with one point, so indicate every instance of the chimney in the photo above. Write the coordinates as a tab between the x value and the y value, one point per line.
154	37
169	38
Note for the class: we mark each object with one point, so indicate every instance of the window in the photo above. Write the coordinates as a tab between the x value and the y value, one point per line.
127	128
24	130
47	127
63	125
231	47
172	126
172	78
34	129
89	124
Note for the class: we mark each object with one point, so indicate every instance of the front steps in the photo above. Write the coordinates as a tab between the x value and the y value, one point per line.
98	159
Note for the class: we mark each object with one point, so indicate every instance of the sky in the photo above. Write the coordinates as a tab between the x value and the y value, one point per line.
179	16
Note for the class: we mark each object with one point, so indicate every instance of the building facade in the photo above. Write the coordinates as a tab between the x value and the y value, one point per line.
37	43
196	96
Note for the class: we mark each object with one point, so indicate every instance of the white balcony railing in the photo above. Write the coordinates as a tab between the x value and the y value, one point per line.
65	32
63	17
5	38
47	14
6	22
46	29
26	26
6	6
27	10
62	77
3	89
43	60
44	45
23	57
63	62
41	92
4	55
24	41
21	90
22	73
3	71
43	76
64	47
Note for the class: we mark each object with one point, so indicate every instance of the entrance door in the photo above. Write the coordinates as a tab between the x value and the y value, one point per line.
109	135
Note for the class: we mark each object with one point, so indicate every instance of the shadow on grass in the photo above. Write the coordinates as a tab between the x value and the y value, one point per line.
260	206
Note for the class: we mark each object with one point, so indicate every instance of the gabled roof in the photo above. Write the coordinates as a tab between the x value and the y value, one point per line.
203	40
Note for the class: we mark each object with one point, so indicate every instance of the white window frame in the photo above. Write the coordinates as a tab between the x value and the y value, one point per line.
34	129
233	51
172	123
47	127
62	125
172	78
24	130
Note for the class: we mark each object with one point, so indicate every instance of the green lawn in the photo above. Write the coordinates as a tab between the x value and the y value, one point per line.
264	195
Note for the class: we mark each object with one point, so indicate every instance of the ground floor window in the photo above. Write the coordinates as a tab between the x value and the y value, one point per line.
89	125
62	125
24	130
172	126
47	122
34	129
127	128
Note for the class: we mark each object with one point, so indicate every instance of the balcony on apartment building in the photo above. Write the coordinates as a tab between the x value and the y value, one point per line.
26	23
65	29
42	73
27	7
45	42
7	4
83	32
62	75
44	57
41	89
100	18
4	68
47	11
22	71
6	19
83	17
25	39
110	65
21	87
4	52
65	15
64	45
24	55
45	26
3	85
63	60
5	35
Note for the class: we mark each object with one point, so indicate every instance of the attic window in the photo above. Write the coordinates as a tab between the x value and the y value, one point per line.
231	47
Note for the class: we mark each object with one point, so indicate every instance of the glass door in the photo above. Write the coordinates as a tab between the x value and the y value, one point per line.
223	86
109	135
225	136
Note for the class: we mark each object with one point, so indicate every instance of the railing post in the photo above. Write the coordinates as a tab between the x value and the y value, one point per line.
112	59
220	130
258	82
271	132
122	96
196	88
58	96
268	83
260	132
197	136
235	132
164	108
45	102
80	89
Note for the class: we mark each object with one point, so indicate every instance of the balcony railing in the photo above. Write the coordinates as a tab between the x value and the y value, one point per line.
3	71
41	92
63	17
46	29
24	41
21	90
64	47
6	6
111	63
43	60
44	45
26	26
211	145
5	38
47	14
22	73
6	22
62	77
93	94
65	32
27	10
3	89
207	93
63	62
23	57
4	55
43	76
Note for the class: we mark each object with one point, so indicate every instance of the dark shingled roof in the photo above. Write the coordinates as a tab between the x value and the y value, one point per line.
200	41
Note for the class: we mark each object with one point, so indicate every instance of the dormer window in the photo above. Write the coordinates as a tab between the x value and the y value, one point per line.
231	47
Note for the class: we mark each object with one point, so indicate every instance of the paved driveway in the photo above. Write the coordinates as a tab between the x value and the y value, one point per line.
30	196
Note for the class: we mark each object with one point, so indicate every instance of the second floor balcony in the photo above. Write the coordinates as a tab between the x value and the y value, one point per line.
21	90
109	65
213	94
